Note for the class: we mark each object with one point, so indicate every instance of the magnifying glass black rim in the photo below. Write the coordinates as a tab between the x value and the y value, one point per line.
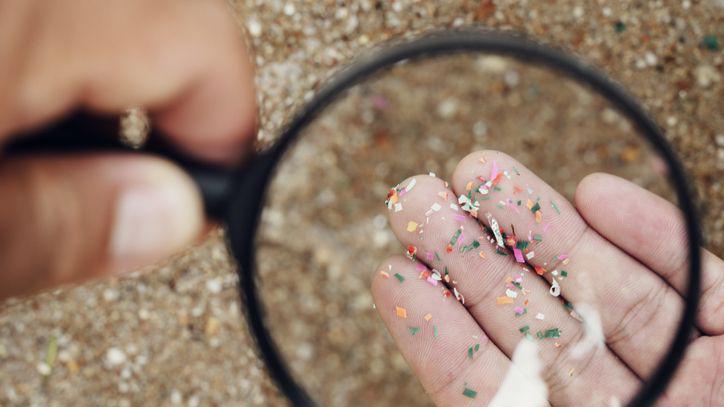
246	205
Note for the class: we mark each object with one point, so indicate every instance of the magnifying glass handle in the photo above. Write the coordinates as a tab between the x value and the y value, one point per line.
84	132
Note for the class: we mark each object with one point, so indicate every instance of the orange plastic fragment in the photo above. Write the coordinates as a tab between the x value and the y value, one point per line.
504	300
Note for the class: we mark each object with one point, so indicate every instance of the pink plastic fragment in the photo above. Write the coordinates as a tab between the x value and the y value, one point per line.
518	255
494	170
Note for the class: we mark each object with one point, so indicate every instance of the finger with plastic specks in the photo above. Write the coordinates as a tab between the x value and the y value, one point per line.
506	298
545	231
450	354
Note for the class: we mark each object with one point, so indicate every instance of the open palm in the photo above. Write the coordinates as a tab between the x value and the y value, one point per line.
499	256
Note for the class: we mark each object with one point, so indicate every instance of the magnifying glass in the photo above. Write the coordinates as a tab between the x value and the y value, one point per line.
305	220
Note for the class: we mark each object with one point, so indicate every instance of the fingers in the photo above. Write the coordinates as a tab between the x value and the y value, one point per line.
506	299
184	61
434	334
66	219
638	311
652	230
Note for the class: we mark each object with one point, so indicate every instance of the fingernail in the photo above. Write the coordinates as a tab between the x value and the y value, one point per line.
151	222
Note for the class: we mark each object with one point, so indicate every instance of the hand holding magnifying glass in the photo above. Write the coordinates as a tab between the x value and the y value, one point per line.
207	111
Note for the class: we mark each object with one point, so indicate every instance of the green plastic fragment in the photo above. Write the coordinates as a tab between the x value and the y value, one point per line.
500	252
535	208
538	238
455	237
619	26
549	333
553	204
524	329
470	393
564	273
434	331
522	244
399	277
473	245
437	256
414	330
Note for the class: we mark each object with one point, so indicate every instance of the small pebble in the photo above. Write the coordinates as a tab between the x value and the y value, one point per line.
115	357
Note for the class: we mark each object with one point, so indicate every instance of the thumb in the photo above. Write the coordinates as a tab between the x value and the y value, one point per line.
68	218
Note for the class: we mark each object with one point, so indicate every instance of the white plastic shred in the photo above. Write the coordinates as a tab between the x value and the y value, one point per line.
523	384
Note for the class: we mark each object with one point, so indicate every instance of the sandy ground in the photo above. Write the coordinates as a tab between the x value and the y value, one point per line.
173	334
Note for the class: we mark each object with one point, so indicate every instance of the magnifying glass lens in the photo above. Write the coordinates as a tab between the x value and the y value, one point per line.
471	227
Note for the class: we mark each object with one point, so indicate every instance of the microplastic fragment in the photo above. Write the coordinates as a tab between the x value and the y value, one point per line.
529	255
496	229
494	170
411	185
510	293
520	311
500	252
564	273
455	237
401	312
414	330
538	238
553	204
473	245
549	333
535	208
470	393
437	257
384	274
504	300
470	352
481	254
399	277
412	226
411	251
538	217
540	270
518	255
540	316
555	288
398	207
524	329
428	317
434	330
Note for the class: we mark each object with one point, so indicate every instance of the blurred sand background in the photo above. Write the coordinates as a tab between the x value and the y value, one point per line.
174	334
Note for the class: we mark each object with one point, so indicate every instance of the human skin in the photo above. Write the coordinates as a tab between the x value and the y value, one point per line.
69	217
624	250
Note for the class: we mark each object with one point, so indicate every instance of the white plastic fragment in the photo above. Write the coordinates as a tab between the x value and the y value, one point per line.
592	331
496	229
523	384
555	288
